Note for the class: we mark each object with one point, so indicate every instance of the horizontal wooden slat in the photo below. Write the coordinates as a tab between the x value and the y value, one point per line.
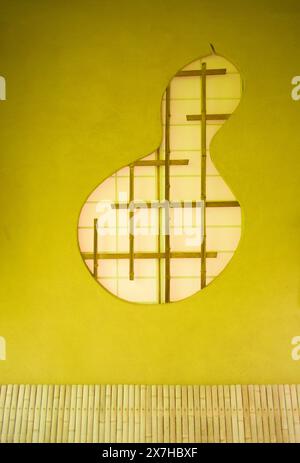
208	117
161	162
196	72
148	255
173	204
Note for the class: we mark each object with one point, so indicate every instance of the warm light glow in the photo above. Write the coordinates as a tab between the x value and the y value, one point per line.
222	213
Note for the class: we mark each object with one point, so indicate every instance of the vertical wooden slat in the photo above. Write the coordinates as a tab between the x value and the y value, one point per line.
137	413
166	413
222	414
246	413
6	413
258	413
53	434
19	412
131	222
234	417
49	413
131	414
264	407
252	408
42	429
172	414
148	414
203	415
277	414
240	413
215	411
107	413
284	422
184	404
209	414
95	249
125	413
25	412
167	196
29	429
158	197
96	414
119	413
295	409
37	414
2	405
154	413
102	414
143	414
91	407
84	409
203	173
229	438
178	404
160	414
298	398
12	415
196	392
60	416
289	413
113	414
78	411
66	414
191	414
72	424
271	416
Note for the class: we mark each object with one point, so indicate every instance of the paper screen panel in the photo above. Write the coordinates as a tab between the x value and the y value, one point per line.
135	263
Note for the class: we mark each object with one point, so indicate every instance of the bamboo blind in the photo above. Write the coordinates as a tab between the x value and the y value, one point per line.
149	413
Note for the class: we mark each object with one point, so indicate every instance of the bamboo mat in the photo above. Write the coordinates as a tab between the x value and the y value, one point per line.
149	413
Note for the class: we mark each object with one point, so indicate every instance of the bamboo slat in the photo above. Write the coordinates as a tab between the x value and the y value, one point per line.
167	196
215	411
203	172
172	414
37	414
131	413
154	413
25	411
90	420
29	430
222	414
284	422
83	425
240	413
150	413
277	415
178	419
113	414
12	415
197	413
71	433
66	414
252	408
289	413
191	414
119	412
19	413
203	415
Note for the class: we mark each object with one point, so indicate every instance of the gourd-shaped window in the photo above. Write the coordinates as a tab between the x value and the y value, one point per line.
163	227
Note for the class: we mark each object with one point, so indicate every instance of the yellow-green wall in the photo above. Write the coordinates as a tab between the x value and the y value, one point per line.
84	86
